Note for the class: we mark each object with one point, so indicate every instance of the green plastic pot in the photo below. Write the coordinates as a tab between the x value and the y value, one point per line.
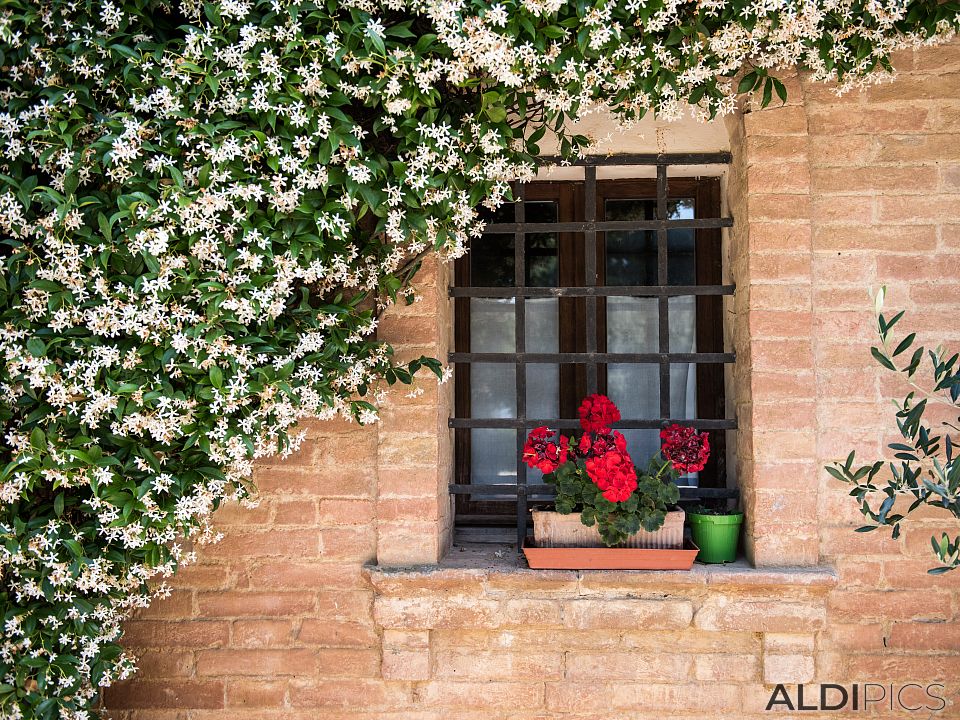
716	536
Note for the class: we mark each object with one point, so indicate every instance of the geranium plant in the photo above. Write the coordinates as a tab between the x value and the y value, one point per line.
596	476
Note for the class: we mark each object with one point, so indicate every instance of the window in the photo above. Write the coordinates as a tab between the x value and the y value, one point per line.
610	286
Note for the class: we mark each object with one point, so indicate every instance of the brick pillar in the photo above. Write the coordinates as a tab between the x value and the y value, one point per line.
415	451
775	389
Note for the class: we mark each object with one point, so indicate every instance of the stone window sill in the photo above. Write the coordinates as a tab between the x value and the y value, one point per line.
475	563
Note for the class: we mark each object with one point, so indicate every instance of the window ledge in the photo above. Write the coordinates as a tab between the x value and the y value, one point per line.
473	564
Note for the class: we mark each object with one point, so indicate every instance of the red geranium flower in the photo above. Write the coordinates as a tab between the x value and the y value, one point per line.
685	448
603	443
542	453
614	474
597	413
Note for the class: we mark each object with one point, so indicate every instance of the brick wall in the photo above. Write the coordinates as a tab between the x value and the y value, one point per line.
282	619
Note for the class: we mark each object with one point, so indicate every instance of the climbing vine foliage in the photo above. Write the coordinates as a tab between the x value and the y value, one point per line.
206	206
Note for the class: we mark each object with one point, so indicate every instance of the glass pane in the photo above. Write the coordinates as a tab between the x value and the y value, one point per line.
642	445
683	339
543	336
635	388
681	257
493	457
491	261
681	209
683	323
542	326
540	211
541	248
543	391
631	254
493	390
683	391
541	260
492	325
632	325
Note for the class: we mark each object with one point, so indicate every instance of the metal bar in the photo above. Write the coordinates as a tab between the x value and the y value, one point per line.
590	270
719	158
562	423
520	369
594	357
601	291
663	302
604	225
686	492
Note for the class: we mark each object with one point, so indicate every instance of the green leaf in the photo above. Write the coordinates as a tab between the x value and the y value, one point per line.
216	377
747	83
781	90
882	359
36	347
904	344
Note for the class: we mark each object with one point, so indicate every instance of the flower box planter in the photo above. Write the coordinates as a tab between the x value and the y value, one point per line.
553	530
607	558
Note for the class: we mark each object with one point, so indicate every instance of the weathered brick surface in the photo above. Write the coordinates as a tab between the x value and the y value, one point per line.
831	196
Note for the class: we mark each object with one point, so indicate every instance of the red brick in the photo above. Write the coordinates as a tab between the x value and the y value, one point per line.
727	668
919	87
776	266
179	604
203	577
294	575
879	238
773	324
843	209
288	543
907	180
345	693
255	604
842	150
922	210
346	512
357	543
165	664
492	695
626	614
189	633
889	605
939	636
296	512
910	573
336	633
350	605
918	148
262	633
181	694
855	636
775	122
348	663
760	615
844	121
419	509
256	694
497	665
628	666
266	663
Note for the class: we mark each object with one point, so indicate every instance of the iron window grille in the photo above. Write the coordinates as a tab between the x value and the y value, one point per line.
591	292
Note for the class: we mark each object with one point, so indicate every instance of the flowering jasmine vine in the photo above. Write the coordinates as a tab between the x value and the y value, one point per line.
206	206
